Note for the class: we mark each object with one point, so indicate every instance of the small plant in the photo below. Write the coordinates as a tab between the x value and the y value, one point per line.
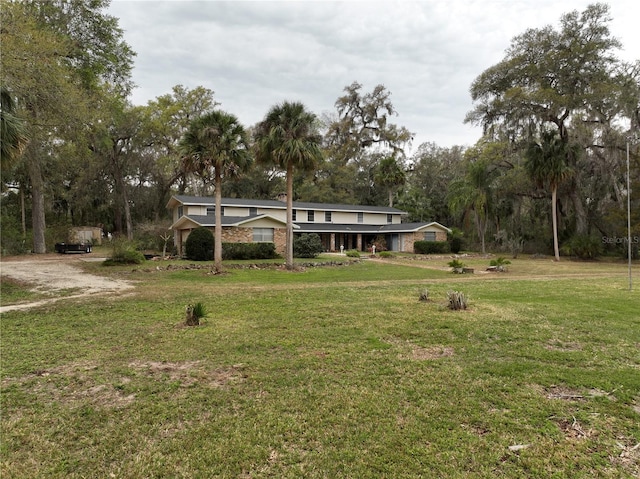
499	264
352	253
424	295
124	252
457	300
194	313
385	254
457	265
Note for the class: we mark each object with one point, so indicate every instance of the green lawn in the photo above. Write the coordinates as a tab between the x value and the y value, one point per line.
331	372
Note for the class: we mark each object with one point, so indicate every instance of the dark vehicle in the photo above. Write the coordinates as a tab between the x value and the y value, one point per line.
73	248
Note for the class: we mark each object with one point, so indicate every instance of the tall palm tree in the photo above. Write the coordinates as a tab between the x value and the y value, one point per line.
216	143
474	193
288	138
546	164
12	131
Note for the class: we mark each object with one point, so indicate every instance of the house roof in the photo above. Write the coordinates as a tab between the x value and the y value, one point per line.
210	220
367	229
276	204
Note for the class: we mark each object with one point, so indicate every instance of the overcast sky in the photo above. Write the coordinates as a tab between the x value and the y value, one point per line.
256	54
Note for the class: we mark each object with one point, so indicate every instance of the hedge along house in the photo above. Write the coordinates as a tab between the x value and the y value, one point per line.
339	226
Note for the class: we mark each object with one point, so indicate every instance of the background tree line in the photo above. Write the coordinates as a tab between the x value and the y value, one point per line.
550	169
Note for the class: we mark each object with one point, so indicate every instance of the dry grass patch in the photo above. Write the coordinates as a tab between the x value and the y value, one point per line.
414	352
189	373
73	384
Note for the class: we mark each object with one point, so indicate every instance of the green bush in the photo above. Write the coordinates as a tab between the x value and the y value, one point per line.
385	254
124	252
583	247
455	244
457	265
500	264
307	246
352	253
199	245
430	247
242	251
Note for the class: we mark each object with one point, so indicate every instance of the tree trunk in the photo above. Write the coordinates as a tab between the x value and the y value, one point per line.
289	238
481	229
217	248
23	212
37	204
581	214
554	220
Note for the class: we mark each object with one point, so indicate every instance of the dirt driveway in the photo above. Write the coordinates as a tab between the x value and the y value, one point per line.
53	273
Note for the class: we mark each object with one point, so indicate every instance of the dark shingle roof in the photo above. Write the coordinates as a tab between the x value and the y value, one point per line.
206	200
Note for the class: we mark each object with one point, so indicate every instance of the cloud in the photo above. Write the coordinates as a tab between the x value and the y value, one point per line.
256	54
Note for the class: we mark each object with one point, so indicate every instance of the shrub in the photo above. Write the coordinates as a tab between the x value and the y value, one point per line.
430	247
151	236
500	264
307	246
385	254
457	265
583	247
193	314
243	251
199	245
455	241
457	300
352	253
124	252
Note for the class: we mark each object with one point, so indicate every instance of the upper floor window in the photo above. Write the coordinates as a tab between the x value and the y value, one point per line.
180	211
311	216
253	211
294	215
360	217
327	216
389	219
211	210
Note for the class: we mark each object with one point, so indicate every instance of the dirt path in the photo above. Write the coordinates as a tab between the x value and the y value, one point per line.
52	274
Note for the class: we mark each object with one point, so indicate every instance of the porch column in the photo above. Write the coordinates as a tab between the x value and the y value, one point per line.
359	242
332	241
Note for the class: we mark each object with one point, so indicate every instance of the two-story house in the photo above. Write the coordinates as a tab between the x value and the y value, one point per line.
339	226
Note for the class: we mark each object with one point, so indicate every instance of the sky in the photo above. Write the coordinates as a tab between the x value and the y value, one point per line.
256	54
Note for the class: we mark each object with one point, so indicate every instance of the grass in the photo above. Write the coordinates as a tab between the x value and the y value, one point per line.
337	371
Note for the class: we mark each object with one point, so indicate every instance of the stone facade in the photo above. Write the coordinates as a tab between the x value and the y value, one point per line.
235	234
410	239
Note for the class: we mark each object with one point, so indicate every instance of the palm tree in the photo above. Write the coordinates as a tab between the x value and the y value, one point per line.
474	192
288	138
217	143
546	164
390	175
12	131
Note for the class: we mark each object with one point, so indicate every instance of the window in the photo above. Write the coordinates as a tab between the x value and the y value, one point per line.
294	215
263	235
311	216
327	216
361	217
253	211
180	211
389	219
211	210
430	236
